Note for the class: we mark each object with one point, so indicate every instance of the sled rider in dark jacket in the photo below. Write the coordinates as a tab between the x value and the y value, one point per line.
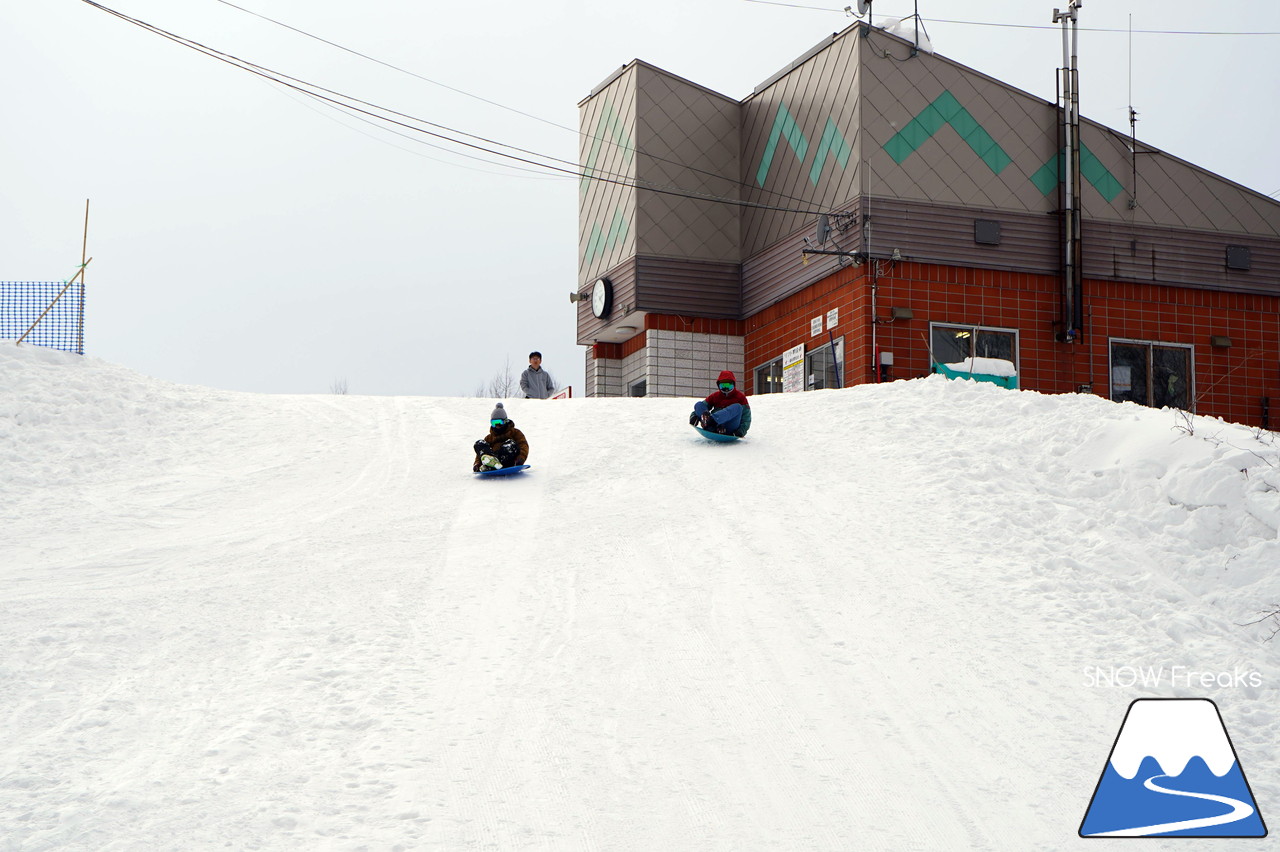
504	442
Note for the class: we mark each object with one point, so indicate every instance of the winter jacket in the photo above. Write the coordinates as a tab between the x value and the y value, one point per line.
720	399
537	384
497	437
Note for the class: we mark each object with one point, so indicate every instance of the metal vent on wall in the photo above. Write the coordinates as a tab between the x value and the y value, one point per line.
986	232
1239	257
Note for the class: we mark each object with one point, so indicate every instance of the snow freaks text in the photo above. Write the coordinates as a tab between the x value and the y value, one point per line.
1173	676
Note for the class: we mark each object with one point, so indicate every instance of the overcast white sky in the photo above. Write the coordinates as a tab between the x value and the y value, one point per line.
247	237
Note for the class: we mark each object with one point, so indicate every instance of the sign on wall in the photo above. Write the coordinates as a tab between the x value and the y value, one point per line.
793	369
815	326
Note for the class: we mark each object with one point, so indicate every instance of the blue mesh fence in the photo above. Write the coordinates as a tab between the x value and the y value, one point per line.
22	302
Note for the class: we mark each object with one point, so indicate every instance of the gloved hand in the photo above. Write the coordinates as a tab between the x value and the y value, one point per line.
508	446
693	419
480	446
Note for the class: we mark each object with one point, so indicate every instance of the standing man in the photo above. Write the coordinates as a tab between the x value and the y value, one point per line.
535	381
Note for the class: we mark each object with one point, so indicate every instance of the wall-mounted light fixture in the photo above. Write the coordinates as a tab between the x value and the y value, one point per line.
1220	341
901	313
578	297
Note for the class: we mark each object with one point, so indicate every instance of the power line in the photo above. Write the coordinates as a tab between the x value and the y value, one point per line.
844	10
384	114
609	141
538	174
393	67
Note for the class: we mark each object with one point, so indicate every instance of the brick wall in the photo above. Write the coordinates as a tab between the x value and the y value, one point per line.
674	361
1229	382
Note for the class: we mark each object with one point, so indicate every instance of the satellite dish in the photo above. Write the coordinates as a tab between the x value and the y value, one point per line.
864	7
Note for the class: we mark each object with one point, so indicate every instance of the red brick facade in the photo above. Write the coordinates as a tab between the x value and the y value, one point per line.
1230	383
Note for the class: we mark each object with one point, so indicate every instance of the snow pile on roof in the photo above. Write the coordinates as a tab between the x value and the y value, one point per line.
299	622
911	29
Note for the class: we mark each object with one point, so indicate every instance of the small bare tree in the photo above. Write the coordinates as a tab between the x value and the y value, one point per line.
1272	615
338	386
504	383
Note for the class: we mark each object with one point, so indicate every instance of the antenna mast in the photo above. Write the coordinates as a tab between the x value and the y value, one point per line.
1072	309
1133	129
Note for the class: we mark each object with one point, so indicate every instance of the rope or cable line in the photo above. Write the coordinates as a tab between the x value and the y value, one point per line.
392	66
532	172
339	99
609	141
843	10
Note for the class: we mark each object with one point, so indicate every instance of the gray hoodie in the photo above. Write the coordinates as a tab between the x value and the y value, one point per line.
537	384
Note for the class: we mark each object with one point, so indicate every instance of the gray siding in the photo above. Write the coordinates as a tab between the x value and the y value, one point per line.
1182	257
779	270
689	287
623	277
937	233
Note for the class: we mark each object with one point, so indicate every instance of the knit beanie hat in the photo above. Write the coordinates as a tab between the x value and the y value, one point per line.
499	413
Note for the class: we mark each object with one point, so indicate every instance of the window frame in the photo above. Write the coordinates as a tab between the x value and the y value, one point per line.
973	329
839	373
1150	345
762	387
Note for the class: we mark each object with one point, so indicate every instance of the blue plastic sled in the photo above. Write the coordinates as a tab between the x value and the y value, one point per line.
715	436
503	471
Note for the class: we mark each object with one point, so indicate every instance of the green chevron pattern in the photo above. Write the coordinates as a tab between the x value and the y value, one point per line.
784	127
1091	169
832	144
946	110
608	124
602	242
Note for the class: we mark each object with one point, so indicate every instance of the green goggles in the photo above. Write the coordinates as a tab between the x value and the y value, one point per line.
726	386
496	424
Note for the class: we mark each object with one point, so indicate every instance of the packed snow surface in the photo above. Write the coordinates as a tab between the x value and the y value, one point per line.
899	617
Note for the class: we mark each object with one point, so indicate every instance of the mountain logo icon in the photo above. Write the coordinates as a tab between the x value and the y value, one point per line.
1172	772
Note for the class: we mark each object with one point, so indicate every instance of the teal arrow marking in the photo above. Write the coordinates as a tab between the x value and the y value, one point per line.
784	125
943	111
601	242
1091	169
609	124
831	144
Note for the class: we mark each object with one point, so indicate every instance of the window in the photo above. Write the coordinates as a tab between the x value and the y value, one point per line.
769	377
952	344
821	369
639	388
1155	374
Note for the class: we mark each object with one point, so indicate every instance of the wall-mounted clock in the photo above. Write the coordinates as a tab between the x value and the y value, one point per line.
602	297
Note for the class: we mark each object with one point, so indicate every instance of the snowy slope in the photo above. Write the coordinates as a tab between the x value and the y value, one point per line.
298	622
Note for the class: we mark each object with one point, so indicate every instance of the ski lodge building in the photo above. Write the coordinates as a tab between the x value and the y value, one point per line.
876	212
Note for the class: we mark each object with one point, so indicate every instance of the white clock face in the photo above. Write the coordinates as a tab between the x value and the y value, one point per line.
600	298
